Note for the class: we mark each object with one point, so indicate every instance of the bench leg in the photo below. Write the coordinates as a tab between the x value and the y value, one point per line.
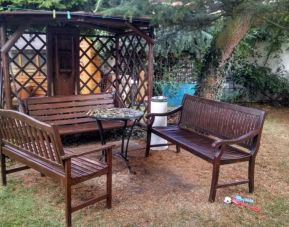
3	169
109	191
178	149
68	205
251	170
149	135
68	210
214	183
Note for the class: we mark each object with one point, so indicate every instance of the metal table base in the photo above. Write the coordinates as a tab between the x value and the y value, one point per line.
124	147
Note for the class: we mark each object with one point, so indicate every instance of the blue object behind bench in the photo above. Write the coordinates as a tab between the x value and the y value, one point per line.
176	92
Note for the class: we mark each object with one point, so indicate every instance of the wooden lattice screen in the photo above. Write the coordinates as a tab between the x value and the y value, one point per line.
102	67
28	66
97	64
133	77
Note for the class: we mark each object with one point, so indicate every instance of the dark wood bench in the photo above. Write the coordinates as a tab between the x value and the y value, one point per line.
217	132
69	112
37	145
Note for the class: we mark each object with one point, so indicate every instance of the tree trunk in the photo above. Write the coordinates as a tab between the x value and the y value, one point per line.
212	76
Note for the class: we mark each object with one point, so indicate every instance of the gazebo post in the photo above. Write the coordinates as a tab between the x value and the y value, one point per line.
117	66
5	47
150	74
5	65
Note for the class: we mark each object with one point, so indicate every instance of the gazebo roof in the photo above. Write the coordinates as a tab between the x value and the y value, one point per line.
115	24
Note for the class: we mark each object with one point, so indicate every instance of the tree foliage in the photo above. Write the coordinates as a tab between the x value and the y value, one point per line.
71	5
235	17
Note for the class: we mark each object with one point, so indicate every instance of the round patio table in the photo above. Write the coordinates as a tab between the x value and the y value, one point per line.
117	114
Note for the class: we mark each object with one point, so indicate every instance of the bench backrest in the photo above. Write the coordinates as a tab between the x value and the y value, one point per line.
66	110
222	120
22	133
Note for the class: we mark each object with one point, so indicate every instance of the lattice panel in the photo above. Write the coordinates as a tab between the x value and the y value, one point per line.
133	87
98	67
28	66
97	64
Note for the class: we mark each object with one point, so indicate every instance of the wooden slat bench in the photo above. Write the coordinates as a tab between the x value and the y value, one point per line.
217	132
37	145
69	112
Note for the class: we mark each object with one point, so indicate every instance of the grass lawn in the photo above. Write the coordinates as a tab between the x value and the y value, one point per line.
168	189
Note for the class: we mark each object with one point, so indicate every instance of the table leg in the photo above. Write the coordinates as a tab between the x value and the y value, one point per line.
122	152
128	138
102	139
124	147
101	132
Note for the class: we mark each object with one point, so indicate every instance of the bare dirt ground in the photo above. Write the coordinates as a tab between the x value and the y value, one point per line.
170	189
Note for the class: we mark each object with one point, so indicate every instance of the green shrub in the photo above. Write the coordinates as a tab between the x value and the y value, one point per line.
257	80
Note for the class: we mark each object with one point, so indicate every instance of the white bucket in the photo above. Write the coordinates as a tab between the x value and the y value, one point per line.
159	104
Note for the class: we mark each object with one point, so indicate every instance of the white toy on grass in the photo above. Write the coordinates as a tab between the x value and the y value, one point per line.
227	200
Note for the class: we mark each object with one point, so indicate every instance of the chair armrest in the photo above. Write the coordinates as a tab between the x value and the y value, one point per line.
151	116
217	145
100	148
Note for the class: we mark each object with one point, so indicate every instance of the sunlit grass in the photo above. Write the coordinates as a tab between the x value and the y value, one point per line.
20	207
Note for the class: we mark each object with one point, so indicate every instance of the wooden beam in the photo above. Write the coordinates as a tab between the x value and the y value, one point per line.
16	35
140	33
95	26
5	69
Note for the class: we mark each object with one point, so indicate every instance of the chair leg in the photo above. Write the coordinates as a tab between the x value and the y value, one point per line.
149	135
214	183
251	173
178	149
3	170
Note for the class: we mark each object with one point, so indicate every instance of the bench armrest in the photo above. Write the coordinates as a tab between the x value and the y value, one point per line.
217	145
151	116
75	155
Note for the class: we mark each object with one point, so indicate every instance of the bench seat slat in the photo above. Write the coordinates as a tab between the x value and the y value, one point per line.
91	163
199	145
80	167
90	127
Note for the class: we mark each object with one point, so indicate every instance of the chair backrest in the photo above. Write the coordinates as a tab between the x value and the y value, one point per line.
25	134
66	110
222	120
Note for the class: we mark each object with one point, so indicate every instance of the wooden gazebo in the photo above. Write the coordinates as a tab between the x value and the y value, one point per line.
48	53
